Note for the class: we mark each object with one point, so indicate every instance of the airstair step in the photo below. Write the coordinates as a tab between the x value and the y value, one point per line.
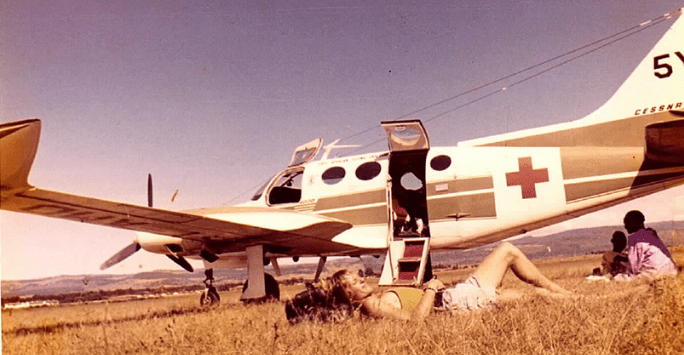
416	259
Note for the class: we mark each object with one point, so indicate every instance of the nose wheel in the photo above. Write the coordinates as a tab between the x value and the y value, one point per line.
210	298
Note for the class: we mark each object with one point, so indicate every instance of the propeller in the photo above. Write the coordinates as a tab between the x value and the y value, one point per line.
121	255
181	261
130	249
135	246
149	190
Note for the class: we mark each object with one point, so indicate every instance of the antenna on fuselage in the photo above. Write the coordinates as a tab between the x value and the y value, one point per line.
331	146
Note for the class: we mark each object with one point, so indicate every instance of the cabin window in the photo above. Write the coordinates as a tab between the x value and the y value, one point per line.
333	175
287	189
368	171
440	162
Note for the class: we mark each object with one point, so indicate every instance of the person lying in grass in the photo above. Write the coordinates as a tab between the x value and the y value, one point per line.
477	292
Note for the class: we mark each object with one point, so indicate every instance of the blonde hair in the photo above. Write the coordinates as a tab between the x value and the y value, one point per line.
338	283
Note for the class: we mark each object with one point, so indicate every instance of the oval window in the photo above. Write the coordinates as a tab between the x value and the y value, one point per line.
333	175
440	162
368	171
410	181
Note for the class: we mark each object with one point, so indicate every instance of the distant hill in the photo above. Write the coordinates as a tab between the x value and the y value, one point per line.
564	244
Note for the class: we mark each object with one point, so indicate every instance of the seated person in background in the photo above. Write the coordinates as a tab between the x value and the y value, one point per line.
648	256
614	261
476	292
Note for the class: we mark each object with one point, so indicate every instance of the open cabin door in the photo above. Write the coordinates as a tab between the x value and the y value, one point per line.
407	261
305	152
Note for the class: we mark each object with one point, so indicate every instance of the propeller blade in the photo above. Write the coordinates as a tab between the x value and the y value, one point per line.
149	190
181	261
121	255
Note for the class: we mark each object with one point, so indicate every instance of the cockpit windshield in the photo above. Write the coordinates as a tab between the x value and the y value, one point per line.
287	188
260	191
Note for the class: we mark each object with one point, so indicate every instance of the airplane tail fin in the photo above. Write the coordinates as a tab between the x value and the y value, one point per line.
657	83
655	87
18	146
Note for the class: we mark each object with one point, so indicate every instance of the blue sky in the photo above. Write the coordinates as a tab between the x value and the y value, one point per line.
212	97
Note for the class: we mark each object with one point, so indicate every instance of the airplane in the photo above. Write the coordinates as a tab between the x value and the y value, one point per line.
475	193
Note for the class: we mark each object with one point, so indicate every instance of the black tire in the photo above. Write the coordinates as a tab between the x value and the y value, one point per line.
209	298
272	290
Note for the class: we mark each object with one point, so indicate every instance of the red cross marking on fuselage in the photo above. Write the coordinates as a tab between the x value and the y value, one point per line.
527	177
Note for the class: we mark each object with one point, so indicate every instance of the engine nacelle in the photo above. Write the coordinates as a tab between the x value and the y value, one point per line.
160	244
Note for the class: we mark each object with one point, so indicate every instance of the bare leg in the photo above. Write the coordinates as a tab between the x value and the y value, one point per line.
493	268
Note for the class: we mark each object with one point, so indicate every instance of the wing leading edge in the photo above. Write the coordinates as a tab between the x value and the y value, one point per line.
242	225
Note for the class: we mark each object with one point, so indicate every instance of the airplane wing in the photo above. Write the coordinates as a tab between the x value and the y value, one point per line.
242	225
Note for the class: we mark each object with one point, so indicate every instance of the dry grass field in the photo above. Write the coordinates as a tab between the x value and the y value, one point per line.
610	318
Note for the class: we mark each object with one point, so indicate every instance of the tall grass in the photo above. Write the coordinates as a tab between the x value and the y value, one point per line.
610	318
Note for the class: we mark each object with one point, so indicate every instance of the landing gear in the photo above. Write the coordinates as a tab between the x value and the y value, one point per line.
210	296
272	290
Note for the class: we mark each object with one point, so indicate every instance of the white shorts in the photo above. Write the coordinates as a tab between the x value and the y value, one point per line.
468	296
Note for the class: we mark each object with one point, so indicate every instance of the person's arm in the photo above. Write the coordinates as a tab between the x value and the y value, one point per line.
427	302
635	256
